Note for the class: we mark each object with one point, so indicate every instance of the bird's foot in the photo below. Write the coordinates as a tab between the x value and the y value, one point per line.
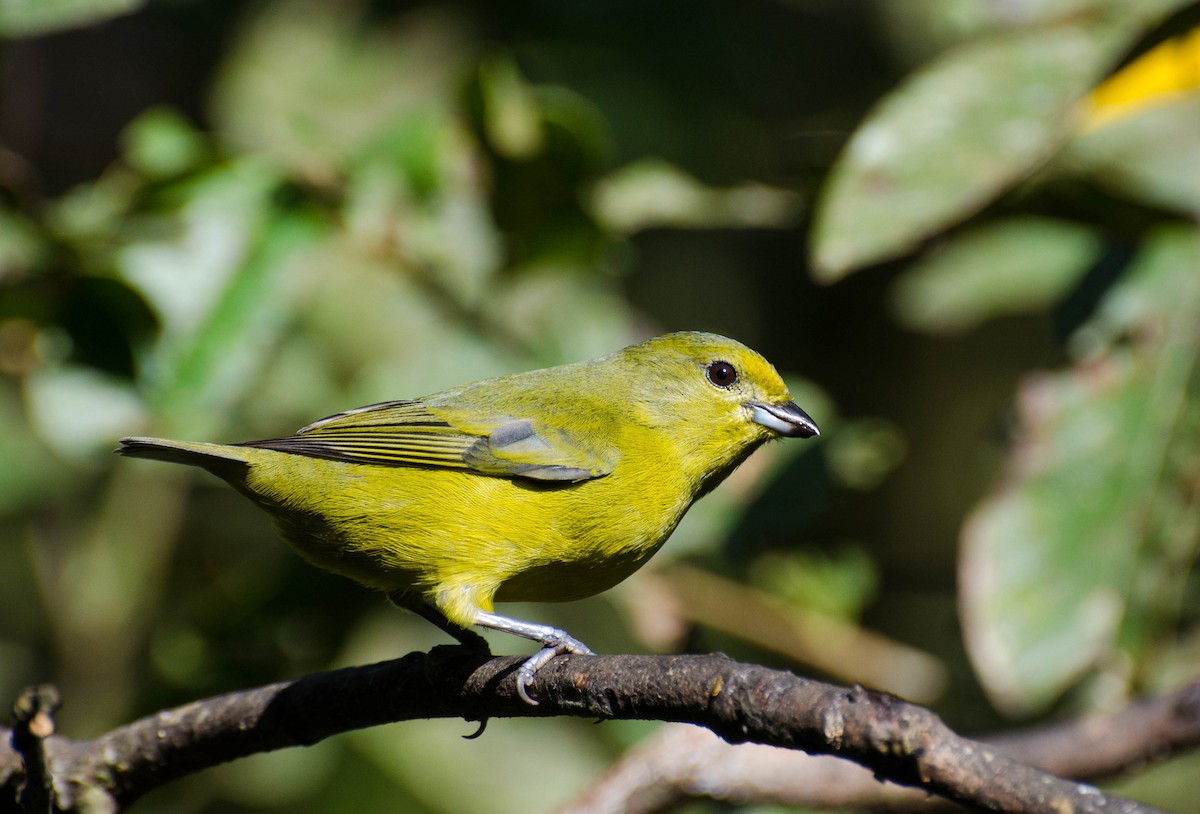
553	640
556	643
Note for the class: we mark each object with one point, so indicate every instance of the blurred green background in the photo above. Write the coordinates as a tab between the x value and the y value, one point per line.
976	261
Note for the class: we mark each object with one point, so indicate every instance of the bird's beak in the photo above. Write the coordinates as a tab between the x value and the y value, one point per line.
786	419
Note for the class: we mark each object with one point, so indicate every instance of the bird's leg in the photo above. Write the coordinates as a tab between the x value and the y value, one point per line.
554	642
467	638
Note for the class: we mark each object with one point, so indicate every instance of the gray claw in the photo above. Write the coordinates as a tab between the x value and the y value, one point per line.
554	642
563	643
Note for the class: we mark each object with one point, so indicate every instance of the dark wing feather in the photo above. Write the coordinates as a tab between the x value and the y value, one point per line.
393	433
406	433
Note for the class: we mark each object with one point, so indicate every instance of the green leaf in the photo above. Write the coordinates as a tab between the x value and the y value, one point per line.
1098	519
21	246
952	138
161	143
27	18
1152	155
220	290
78	410
651	193
838	583
511	117
313	86
1017	265
930	26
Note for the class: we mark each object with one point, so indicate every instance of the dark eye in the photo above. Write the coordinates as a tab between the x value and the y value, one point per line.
722	374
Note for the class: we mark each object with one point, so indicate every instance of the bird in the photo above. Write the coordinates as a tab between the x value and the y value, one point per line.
543	486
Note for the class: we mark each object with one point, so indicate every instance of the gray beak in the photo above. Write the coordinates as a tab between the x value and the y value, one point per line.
786	419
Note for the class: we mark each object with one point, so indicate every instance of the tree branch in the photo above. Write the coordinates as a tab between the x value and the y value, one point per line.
680	762
740	702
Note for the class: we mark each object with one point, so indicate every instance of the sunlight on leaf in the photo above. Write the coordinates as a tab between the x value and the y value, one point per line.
949	140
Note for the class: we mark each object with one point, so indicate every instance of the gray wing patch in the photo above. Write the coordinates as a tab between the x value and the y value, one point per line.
515	449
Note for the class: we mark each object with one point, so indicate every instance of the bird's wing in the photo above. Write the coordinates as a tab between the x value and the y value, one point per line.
407	433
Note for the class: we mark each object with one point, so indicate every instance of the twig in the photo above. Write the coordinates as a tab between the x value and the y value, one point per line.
740	702
33	723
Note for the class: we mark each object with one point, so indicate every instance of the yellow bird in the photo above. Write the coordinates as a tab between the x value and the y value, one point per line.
544	486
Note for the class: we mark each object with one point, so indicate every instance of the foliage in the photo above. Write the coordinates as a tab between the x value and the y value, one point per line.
1079	559
379	203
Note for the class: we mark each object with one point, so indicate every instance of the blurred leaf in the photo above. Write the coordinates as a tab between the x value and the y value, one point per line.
78	411
563	314
652	193
839	584
183	274
90	214
1098	516
181	656
229	351
310	86
415	156
864	452
1017	265
418	201
582	119
1167	71
511	116
218	288
1151	154
951	138
21	245
401	342
925	28
1168	785
454	241
27	18
161	143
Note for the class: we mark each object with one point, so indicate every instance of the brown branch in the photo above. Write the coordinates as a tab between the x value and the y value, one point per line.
680	762
898	741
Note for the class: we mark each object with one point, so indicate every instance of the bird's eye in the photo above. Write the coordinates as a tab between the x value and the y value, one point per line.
722	374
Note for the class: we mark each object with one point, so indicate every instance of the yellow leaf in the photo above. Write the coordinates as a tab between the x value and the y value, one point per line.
1159	76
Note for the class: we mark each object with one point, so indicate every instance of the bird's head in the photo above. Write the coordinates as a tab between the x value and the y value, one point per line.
717	397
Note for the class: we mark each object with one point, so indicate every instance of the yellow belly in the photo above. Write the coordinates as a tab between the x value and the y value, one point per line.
461	540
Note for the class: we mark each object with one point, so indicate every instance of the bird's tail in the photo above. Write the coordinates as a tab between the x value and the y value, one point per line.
227	462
